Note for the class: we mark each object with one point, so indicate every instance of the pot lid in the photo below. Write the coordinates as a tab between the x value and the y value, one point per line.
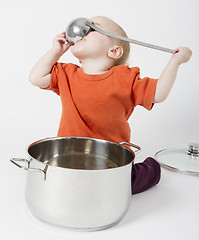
180	160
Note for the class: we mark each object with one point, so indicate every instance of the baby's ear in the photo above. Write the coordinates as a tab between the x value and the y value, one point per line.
115	52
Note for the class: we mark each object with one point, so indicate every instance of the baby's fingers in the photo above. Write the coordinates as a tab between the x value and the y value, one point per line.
176	51
189	51
61	39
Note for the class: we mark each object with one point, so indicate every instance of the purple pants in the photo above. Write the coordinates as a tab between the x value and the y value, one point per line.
145	175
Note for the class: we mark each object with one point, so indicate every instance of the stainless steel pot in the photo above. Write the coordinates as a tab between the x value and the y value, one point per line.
80	183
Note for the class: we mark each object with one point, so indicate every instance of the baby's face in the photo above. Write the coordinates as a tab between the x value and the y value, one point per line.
94	44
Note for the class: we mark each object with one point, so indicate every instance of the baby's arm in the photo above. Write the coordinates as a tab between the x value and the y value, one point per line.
168	76
41	73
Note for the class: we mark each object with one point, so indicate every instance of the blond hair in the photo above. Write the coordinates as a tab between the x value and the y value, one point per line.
118	30
124	44
126	50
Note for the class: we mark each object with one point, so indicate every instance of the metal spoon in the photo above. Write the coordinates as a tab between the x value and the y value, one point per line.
80	27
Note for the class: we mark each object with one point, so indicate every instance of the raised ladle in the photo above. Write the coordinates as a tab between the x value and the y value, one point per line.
80	27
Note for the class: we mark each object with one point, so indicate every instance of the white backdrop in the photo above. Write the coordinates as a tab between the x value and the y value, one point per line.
29	114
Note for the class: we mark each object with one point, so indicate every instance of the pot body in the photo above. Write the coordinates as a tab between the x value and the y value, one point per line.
81	199
86	197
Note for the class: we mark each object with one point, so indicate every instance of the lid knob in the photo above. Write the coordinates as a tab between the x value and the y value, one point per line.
193	149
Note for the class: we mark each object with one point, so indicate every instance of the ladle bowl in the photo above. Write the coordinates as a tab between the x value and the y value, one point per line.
77	29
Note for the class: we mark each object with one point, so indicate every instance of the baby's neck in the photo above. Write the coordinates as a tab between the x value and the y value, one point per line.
95	67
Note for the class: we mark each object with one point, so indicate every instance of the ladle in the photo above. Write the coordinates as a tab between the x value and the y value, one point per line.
80	27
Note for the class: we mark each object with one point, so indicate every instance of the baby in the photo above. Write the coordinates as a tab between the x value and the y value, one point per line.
99	97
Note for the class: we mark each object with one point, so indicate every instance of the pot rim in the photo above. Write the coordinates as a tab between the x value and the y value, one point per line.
87	138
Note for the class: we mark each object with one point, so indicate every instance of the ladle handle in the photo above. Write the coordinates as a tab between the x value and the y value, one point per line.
128	39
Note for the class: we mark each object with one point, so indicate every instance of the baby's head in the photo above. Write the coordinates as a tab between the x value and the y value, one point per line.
113	27
99	46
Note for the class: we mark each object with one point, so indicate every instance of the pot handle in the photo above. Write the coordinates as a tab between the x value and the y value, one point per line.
131	145
28	168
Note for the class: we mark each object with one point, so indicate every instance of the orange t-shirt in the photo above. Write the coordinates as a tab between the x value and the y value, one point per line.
98	106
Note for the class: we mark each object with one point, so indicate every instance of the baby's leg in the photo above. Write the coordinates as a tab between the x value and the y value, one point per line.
145	175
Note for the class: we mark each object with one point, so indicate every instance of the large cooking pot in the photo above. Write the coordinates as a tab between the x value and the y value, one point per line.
81	183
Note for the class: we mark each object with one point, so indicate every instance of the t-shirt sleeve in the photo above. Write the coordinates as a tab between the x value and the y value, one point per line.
54	83
143	91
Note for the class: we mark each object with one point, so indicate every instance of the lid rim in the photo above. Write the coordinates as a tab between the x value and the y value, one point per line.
177	169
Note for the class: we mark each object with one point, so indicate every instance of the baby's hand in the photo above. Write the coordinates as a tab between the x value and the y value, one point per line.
60	43
182	54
